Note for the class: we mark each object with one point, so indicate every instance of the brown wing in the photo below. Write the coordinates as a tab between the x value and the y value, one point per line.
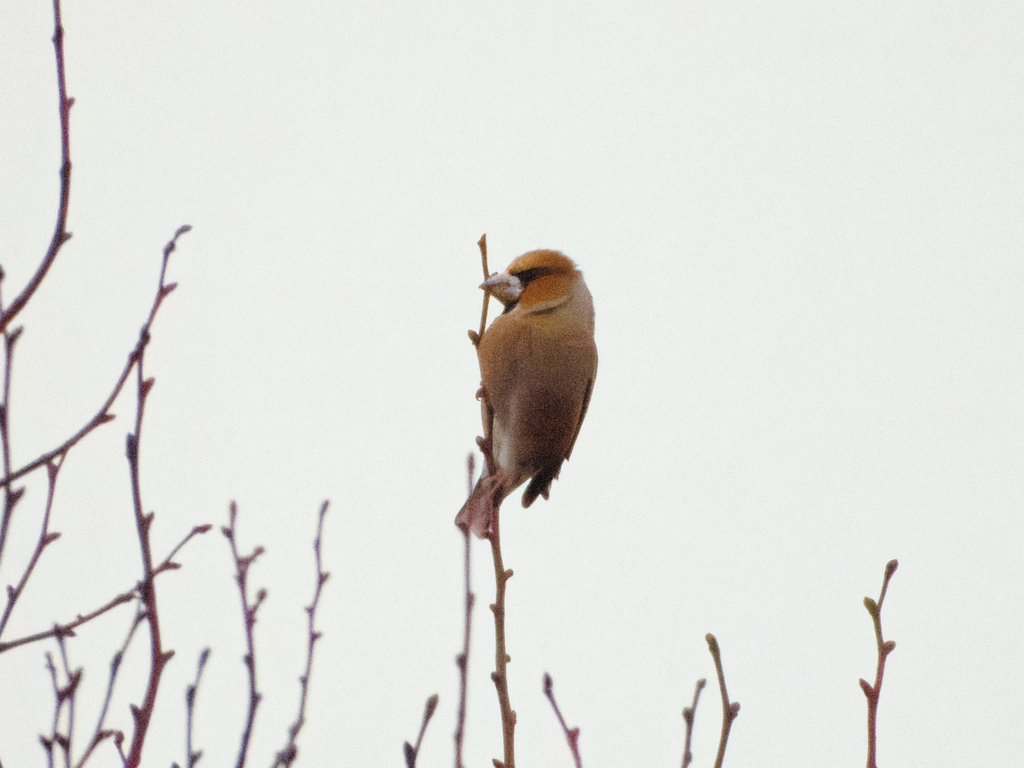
583	412
540	484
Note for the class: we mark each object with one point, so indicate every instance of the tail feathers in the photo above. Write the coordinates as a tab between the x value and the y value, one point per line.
476	514
540	485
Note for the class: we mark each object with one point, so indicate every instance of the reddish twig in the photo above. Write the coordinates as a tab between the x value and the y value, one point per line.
473	335
249	618
68	629
408	749
46	537
144	521
689	713
730	710
885	647
147	589
11	496
572	735
103	415
462	660
501	657
64	695
287	755
60	236
100	733
192	755
60	233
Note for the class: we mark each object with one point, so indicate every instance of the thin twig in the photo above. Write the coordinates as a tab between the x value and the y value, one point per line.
729	709
462	660
68	629
249	618
100	734
46	537
689	713
885	647
73	679
473	335
408	749
60	236
192	755
143	523
501	657
168	563
103	415
60	233
11	496
62	695
572	735
287	755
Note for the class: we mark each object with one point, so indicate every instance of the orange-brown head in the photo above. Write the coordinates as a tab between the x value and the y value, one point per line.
533	278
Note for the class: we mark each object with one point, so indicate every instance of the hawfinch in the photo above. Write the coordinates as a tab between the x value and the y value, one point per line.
537	367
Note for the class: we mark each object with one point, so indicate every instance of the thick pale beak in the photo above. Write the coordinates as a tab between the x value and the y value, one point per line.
505	288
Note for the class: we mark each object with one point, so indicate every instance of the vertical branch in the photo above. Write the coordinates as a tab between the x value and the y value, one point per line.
473	335
147	592
885	647
60	233
73	679
689	713
11	495
100	734
729	709
46	537
63	695
144	521
192	755
572	735
249	618
287	755
412	752
501	657
462	660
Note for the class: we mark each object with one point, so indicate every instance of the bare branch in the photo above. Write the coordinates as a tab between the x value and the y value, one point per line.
64	697
730	710
462	660
885	647
11	495
60	233
192	755
473	335
103	415
143	522
408	749
689	713
46	537
501	657
68	629
572	735
287	755
249	618
100	734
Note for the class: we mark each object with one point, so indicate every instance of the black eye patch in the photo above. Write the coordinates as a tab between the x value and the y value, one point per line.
528	275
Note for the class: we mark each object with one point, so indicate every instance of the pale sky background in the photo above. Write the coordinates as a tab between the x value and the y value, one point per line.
802	226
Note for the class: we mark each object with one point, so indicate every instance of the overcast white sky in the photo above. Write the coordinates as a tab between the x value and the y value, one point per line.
802	227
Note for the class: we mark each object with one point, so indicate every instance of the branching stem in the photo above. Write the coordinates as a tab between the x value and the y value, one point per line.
885	647
501	657
730	710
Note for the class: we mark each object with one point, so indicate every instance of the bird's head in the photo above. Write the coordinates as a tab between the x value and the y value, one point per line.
534	277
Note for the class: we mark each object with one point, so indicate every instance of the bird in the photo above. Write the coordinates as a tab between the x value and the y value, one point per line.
538	362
